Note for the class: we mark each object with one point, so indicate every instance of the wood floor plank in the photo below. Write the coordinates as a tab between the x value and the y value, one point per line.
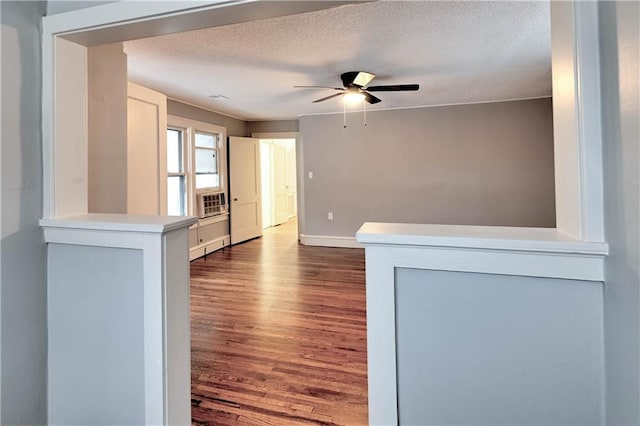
278	334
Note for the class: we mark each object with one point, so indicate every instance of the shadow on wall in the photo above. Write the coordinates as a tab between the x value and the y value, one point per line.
23	262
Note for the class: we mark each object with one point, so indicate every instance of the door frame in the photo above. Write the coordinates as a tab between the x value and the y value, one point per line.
299	170
576	100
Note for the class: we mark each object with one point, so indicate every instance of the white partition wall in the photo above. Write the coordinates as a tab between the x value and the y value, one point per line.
527	302
118	314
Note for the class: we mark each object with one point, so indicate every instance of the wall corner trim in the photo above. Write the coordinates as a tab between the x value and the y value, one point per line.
329	241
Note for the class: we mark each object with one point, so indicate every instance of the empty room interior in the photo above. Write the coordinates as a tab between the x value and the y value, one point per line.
325	212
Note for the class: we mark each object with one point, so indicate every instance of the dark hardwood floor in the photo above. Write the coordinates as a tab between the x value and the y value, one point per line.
278	334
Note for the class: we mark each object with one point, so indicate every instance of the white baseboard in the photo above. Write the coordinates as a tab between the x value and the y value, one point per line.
329	241
208	247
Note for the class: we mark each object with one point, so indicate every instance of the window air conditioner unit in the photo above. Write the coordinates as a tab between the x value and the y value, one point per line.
211	204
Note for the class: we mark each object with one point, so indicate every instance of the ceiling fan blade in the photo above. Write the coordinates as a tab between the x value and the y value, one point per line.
394	88
356	78
327	97
370	98
318	87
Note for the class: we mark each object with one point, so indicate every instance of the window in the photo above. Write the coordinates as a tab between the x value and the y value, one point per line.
206	146
176	173
196	162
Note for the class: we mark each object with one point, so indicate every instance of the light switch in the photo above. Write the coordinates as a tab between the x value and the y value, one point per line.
310	175
330	216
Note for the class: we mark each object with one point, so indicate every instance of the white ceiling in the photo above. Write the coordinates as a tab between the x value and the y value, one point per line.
459	52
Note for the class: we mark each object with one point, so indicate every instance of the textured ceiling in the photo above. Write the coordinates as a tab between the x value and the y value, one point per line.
459	52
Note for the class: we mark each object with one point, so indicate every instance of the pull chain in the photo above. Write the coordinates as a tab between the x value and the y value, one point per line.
344	113
364	103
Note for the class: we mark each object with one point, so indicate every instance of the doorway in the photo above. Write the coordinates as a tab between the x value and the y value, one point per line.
279	190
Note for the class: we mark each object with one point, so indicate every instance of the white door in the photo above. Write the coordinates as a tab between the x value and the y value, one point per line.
146	151
279	170
244	189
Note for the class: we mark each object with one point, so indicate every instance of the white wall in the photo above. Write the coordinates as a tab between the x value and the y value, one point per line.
23	266
619	42
484	164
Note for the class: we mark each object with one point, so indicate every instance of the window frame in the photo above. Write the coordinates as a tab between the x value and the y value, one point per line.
189	127
217	150
184	137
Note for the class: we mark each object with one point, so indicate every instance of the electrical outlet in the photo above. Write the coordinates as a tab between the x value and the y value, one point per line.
310	175
330	216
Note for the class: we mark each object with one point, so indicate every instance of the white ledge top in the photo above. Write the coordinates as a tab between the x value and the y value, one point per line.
477	237
119	222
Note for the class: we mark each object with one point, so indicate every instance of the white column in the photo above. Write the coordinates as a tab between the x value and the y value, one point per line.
577	120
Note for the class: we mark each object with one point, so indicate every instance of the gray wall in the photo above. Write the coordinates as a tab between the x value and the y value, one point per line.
485	164
272	126
23	266
619	38
235	127
483	349
96	338
60	6
107	142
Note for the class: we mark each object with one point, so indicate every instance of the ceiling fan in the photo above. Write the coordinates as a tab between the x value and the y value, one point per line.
356	89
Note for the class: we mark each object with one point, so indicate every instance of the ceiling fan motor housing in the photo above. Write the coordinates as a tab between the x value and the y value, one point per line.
356	78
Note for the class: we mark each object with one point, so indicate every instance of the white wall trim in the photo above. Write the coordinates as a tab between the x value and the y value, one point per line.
577	128
329	241
48	126
588	105
209	247
533	252
378	109
208	109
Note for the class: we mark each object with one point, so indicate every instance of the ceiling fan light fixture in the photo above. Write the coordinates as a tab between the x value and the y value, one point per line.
363	78
353	98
